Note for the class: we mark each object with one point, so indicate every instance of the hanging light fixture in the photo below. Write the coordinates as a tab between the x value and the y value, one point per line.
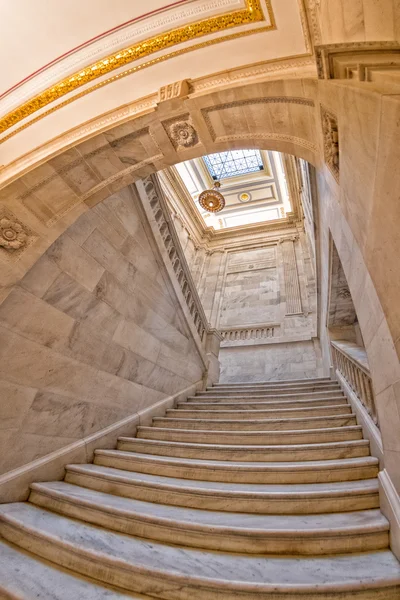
212	200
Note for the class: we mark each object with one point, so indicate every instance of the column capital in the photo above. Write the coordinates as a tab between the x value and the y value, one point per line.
292	238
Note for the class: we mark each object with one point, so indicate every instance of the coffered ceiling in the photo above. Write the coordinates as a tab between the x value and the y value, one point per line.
252	197
79	60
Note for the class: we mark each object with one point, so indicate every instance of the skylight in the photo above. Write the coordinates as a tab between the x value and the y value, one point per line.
233	163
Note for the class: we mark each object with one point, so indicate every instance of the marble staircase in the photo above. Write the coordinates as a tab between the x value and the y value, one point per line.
246	491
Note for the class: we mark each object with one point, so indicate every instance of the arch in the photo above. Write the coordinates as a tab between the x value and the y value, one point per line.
292	116
47	199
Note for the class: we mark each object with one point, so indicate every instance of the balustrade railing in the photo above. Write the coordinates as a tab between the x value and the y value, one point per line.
357	375
253	332
175	253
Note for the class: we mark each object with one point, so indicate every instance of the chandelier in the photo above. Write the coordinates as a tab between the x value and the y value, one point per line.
212	200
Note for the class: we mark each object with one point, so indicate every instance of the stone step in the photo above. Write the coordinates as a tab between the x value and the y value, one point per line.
226	404
277	383
334	385
306	436
263	498
215	530
256	424
170	572
250	414
289	452
346	469
24	577
265	397
277	395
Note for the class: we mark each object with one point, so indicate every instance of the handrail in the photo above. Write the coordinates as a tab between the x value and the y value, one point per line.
357	374
172	245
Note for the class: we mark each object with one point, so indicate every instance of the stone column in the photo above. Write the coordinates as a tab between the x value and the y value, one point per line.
219	288
292	285
213	342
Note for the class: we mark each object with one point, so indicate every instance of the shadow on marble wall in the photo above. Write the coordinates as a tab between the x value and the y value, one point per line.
91	335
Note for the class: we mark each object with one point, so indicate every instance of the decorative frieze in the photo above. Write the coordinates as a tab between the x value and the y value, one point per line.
330	132
208	111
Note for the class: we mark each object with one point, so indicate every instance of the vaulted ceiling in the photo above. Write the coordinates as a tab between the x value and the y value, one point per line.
70	62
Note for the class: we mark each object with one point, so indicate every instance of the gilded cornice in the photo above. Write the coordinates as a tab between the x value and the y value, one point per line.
251	14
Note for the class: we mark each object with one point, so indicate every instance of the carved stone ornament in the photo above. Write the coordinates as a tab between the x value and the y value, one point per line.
15	237
360	61
179	89
12	234
330	132
182	133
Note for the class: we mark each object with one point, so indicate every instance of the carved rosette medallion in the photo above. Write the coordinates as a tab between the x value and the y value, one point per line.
330	131
182	134
15	237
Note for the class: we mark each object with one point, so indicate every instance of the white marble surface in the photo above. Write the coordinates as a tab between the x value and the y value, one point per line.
224	531
219	520
156	562
256	424
332	409
44	581
269	363
308	436
90	336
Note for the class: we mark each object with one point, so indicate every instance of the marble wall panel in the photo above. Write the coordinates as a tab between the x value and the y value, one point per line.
68	295
369	306
40	277
34	319
385	216
18	401
98	247
91	335
250	297
74	261
358	20
270	363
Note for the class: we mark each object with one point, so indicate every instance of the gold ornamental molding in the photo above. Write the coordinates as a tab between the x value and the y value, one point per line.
251	14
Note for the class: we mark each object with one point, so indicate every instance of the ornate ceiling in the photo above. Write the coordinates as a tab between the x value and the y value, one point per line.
251	197
80	60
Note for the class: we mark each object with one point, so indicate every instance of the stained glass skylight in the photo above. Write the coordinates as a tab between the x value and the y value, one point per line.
233	163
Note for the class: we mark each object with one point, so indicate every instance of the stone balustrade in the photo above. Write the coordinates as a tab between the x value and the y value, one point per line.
250	332
352	363
175	253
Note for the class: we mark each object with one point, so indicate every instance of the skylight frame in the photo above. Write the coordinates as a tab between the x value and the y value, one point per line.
233	163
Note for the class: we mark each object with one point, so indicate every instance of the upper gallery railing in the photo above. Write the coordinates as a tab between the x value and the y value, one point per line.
249	332
352	364
172	245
